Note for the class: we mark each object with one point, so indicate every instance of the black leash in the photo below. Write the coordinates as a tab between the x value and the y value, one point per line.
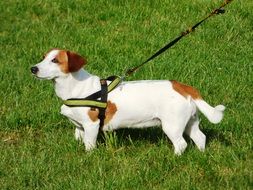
219	10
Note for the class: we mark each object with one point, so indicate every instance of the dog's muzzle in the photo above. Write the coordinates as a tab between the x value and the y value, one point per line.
34	70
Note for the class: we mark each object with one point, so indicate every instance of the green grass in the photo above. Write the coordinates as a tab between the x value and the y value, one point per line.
38	150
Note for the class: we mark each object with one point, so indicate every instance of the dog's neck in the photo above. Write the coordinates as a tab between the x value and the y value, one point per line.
79	84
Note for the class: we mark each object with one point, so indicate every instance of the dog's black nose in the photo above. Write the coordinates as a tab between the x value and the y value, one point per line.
34	70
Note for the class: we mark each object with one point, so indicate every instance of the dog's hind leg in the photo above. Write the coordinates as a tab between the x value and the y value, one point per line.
195	133
174	130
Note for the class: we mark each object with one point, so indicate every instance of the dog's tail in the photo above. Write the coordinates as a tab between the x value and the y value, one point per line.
213	114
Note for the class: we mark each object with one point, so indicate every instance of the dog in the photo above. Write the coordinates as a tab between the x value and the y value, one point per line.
135	104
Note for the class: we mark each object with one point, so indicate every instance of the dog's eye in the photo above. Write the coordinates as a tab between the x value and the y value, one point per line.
55	60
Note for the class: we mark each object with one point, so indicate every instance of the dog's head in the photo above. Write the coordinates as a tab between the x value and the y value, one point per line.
57	63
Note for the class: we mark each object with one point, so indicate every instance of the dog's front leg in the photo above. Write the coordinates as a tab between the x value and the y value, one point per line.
90	135
79	131
86	130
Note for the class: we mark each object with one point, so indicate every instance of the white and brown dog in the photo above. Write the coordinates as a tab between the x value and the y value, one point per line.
135	104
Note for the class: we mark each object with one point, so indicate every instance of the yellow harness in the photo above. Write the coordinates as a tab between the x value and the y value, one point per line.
97	99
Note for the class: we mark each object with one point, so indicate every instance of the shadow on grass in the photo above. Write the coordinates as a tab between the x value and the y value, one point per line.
151	135
213	134
154	135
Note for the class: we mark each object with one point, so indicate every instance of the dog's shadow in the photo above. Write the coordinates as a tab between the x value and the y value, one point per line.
154	135
216	135
128	136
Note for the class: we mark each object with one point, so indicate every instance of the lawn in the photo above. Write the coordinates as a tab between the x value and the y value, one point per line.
37	146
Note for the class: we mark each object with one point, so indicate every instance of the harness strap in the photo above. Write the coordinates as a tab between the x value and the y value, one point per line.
92	100
104	94
115	82
84	103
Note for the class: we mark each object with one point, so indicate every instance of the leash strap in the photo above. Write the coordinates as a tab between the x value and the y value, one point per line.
92	100
219	10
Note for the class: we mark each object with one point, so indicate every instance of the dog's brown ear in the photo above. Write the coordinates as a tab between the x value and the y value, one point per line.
75	61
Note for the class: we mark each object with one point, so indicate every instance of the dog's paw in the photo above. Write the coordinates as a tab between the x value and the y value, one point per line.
89	147
180	147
